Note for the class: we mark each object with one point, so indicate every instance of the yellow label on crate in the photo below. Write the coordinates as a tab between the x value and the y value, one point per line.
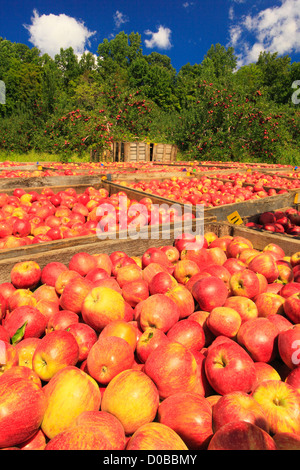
235	218
40	167
296	198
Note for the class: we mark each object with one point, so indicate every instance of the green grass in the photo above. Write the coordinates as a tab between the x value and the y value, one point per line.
33	156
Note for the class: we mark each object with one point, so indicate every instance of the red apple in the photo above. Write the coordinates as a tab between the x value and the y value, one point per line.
104	262
184	270
233	265
4	334
108	357
280	321
172	253
183	298
100	306
25	349
229	367
61	320
289	289
265	264
85	337
241	435
259	338
51	272
56	350
150	339
287	441
218	271
190	416
173	368
244	283
22	408
238	406
243	305
46	292
275	249
8	356
280	403
293	378
152	269
126	330
128	273
289	346
22	372
269	303
189	333
29	319
224	321
70	392
132	397
158	311
108	424
162	282
63	279
97	274
209	293
82	262
155	436
135	291
25	275
80	437
264	371
184	241
291	308
75	293
36	442
154	255
21	228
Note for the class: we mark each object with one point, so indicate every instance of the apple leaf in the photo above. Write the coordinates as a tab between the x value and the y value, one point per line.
19	334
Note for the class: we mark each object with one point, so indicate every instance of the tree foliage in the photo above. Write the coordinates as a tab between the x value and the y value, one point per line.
210	109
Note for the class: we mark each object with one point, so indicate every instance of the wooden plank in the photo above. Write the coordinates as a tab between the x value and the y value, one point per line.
12	183
133	247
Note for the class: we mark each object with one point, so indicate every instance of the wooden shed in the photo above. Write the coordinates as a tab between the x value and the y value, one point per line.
143	152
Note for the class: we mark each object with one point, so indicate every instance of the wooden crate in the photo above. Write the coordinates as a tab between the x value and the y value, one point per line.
137	247
36	182
221	213
143	152
47	251
63	250
291	243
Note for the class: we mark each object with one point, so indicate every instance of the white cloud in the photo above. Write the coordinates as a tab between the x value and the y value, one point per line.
160	39
275	29
50	33
187	4
120	18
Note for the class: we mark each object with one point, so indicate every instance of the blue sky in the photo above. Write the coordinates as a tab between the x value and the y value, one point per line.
183	30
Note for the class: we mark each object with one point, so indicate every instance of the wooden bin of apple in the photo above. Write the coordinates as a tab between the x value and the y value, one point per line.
218	199
190	346
52	216
281	221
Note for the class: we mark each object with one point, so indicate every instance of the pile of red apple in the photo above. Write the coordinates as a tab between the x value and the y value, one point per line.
194	345
280	221
259	179
29	217
205	190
